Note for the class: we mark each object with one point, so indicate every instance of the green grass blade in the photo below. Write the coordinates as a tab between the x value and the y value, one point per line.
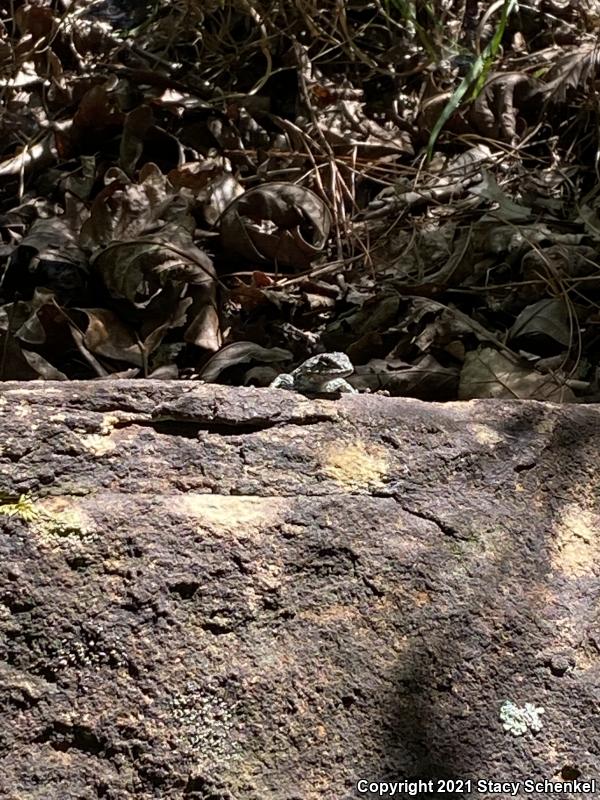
474	79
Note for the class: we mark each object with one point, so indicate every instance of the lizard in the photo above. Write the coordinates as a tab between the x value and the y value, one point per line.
324	373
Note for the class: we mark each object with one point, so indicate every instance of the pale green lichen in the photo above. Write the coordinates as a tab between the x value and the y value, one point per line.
205	721
518	720
62	524
23	508
93	647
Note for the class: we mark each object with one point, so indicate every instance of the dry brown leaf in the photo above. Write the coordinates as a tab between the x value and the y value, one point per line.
490	373
278	223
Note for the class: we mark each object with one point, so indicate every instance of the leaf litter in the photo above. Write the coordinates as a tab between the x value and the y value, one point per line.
219	189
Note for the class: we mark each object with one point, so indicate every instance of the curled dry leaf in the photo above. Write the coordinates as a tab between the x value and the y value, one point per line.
50	256
425	379
167	372
490	373
346	124
504	208
135	130
94	121
378	313
459	174
495	111
38	21
105	335
126	210
211	184
241	353
16	362
140	236
33	323
260	376
542	323
574	70
43	368
278	223
556	263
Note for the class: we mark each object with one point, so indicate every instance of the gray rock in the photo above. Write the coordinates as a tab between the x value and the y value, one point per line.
244	594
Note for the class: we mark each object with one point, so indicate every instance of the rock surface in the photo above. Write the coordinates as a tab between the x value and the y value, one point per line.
242	594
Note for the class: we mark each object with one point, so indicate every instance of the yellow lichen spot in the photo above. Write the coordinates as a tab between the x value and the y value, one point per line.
546	425
23	410
49	518
96	444
58	518
108	423
421	598
356	465
585	661
268	575
576	546
486	435
58	417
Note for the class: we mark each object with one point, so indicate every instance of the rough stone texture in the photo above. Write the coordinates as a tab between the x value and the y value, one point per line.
239	593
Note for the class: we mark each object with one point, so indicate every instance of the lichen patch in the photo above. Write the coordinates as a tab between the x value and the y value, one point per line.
485	434
96	444
108	422
576	546
546	424
356	465
59	518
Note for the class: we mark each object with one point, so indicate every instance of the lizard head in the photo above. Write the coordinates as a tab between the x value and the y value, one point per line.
334	365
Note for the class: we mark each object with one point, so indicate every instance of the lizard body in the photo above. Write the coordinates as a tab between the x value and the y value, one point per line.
324	373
